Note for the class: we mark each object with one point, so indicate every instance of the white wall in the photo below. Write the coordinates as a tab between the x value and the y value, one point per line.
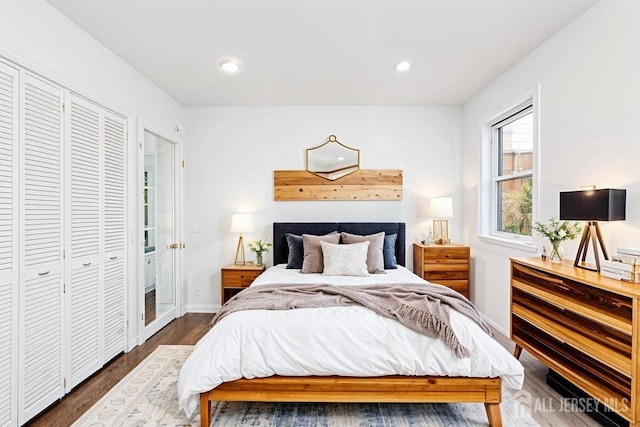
233	151
589	134
36	36
589	75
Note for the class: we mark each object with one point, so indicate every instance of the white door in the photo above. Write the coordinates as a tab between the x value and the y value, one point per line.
41	344
160	236
115	236
95	255
9	78
84	124
62	241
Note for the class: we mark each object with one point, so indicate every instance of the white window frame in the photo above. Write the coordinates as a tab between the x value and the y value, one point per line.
488	197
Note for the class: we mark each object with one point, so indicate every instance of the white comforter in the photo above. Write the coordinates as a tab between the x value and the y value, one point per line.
347	341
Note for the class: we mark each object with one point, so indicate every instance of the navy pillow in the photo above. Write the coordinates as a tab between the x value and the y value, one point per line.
296	251
389	251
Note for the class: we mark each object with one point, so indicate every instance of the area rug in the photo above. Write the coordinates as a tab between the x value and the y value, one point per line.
147	396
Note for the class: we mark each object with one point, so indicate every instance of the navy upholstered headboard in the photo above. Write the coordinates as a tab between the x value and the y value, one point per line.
280	229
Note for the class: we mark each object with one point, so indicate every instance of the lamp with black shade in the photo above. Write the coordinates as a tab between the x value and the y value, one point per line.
592	206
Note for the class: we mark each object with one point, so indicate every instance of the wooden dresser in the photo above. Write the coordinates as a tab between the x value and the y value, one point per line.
583	326
446	264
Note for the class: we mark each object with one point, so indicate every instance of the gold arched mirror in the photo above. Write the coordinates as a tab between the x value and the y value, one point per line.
332	160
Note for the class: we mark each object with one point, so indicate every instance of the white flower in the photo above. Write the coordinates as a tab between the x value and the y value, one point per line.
558	231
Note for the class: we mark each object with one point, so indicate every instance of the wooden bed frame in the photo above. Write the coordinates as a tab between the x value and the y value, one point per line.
391	389
387	389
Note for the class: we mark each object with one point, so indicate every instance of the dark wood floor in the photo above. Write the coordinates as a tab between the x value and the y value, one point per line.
186	330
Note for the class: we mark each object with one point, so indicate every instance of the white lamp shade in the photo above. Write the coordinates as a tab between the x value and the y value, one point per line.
441	207
241	223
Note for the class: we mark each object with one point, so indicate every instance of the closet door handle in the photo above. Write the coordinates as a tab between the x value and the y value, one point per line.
86	264
114	257
43	273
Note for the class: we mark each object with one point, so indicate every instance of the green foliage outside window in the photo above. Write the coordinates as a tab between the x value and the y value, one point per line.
517	210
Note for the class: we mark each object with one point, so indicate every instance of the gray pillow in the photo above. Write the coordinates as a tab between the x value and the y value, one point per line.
296	252
375	256
313	261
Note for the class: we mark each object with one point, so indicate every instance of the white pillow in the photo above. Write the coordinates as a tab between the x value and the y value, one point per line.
345	260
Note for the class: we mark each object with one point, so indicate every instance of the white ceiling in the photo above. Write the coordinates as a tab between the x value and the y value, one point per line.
315	52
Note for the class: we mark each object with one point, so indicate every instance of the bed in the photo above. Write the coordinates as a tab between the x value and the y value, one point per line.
340	354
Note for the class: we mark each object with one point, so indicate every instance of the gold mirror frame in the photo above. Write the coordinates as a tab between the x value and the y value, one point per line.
332	160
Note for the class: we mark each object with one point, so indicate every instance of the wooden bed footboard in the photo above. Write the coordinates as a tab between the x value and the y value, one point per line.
389	389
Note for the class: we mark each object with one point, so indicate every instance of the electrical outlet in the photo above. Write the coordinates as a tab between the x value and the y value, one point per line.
199	291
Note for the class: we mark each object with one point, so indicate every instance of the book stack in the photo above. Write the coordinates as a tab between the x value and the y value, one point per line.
624	266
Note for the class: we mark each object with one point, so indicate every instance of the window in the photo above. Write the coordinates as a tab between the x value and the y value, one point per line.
509	182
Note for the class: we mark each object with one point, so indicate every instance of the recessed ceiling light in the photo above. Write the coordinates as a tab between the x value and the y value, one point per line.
229	66
403	66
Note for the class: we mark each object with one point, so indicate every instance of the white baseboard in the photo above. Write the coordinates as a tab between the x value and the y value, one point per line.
495	326
201	309
132	343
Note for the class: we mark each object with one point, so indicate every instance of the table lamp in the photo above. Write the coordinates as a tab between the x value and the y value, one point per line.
241	223
592	206
439	208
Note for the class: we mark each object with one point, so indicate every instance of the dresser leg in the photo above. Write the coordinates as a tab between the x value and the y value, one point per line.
517	351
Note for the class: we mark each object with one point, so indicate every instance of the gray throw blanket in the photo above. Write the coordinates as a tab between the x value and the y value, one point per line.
422	308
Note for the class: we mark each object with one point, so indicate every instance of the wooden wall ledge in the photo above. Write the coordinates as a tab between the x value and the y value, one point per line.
363	184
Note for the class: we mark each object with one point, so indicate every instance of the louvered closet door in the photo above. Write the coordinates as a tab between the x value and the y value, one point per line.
8	244
83	216
115	137
41	382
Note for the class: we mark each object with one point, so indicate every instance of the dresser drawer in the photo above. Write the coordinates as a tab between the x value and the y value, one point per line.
446	255
461	286
439	276
239	278
446	271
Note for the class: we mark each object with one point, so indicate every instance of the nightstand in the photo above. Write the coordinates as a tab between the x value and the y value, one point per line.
446	264
237	277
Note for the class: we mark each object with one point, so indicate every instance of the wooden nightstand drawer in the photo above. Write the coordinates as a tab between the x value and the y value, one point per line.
461	286
239	277
446	255
447	272
446	264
